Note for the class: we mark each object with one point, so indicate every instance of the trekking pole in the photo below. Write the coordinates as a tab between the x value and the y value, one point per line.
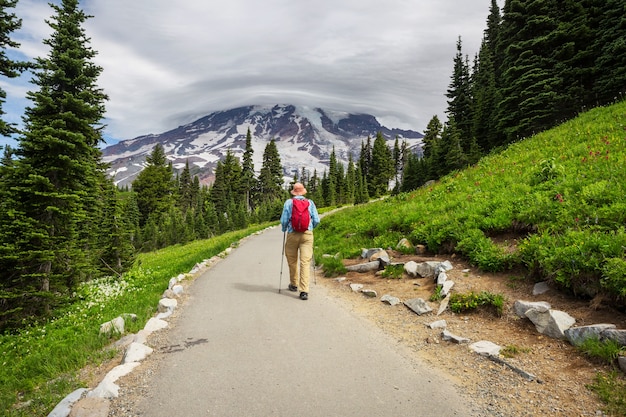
282	258
313	265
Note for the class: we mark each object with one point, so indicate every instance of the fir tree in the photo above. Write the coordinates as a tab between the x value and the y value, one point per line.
9	68
59	177
382	170
154	185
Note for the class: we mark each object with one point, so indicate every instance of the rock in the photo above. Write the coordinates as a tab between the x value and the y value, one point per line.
420	249
439	324
168	294
446	287
340	279
91	407
441	278
141	336
155	324
621	361
577	335
369	293
65	406
520	307
178	290
136	352
418	305
163	316
107	387
114	326
391	300
541	288
411	268
450	337
485	347
167	304
173	281
384	261
443	305
367	253
380	254
404	243
614	334
356	287
125	341
364	267
427	269
552	323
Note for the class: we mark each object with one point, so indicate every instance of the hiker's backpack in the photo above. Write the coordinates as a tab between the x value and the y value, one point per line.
300	217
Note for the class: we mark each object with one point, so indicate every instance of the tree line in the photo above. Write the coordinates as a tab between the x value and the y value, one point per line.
63	221
540	63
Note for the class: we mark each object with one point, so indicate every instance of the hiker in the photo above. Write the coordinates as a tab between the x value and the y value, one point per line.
298	219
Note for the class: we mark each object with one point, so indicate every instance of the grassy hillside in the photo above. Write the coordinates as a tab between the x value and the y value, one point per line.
554	204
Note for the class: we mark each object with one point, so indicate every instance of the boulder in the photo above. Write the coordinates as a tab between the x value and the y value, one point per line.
410	268
450	337
520	307
614	334
136	352
167	304
356	287
404	243
364	267
367	253
369	293
446	287
114	326
65	406
541	288
389	299
418	305
485	347
577	335
552	323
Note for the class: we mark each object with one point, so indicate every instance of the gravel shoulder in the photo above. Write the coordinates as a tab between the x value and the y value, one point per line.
563	372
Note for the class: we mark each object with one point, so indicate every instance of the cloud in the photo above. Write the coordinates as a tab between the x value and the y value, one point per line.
166	63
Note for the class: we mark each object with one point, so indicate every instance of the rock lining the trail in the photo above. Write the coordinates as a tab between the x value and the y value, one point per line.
95	402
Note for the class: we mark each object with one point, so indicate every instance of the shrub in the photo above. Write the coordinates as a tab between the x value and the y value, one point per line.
461	303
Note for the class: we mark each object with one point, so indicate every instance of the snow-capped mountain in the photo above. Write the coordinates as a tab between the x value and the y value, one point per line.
304	136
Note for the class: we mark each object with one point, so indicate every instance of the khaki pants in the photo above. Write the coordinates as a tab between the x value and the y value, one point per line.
299	273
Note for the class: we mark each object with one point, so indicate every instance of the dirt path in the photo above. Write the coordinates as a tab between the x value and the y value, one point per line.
238	347
563	372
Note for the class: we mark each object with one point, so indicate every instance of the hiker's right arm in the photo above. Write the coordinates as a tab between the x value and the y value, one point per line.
285	217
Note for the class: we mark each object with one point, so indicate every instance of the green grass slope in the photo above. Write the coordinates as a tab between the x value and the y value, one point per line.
559	195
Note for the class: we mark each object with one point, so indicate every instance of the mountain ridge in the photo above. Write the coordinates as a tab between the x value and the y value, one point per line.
304	137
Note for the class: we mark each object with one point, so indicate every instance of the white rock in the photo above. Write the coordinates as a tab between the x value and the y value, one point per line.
155	324
167	304
173	281
389	299
446	287
439	324
356	287
65	406
116	325
107	387
520	307
178	290
485	347
136	352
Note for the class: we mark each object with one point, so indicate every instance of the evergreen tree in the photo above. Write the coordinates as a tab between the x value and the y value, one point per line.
154	185
247	174
271	175
59	177
186	189
460	95
382	170
608	33
9	68
351	181
455	158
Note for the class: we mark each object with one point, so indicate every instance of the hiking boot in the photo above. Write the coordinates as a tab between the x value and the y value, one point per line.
292	288
304	295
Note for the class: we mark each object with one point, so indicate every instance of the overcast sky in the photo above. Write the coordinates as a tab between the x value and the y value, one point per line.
167	63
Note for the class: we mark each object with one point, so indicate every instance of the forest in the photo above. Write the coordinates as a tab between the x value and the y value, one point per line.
63	222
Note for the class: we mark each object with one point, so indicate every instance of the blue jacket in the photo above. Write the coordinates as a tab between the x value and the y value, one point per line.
285	218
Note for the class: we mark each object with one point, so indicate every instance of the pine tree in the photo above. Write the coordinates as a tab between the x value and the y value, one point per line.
59	177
